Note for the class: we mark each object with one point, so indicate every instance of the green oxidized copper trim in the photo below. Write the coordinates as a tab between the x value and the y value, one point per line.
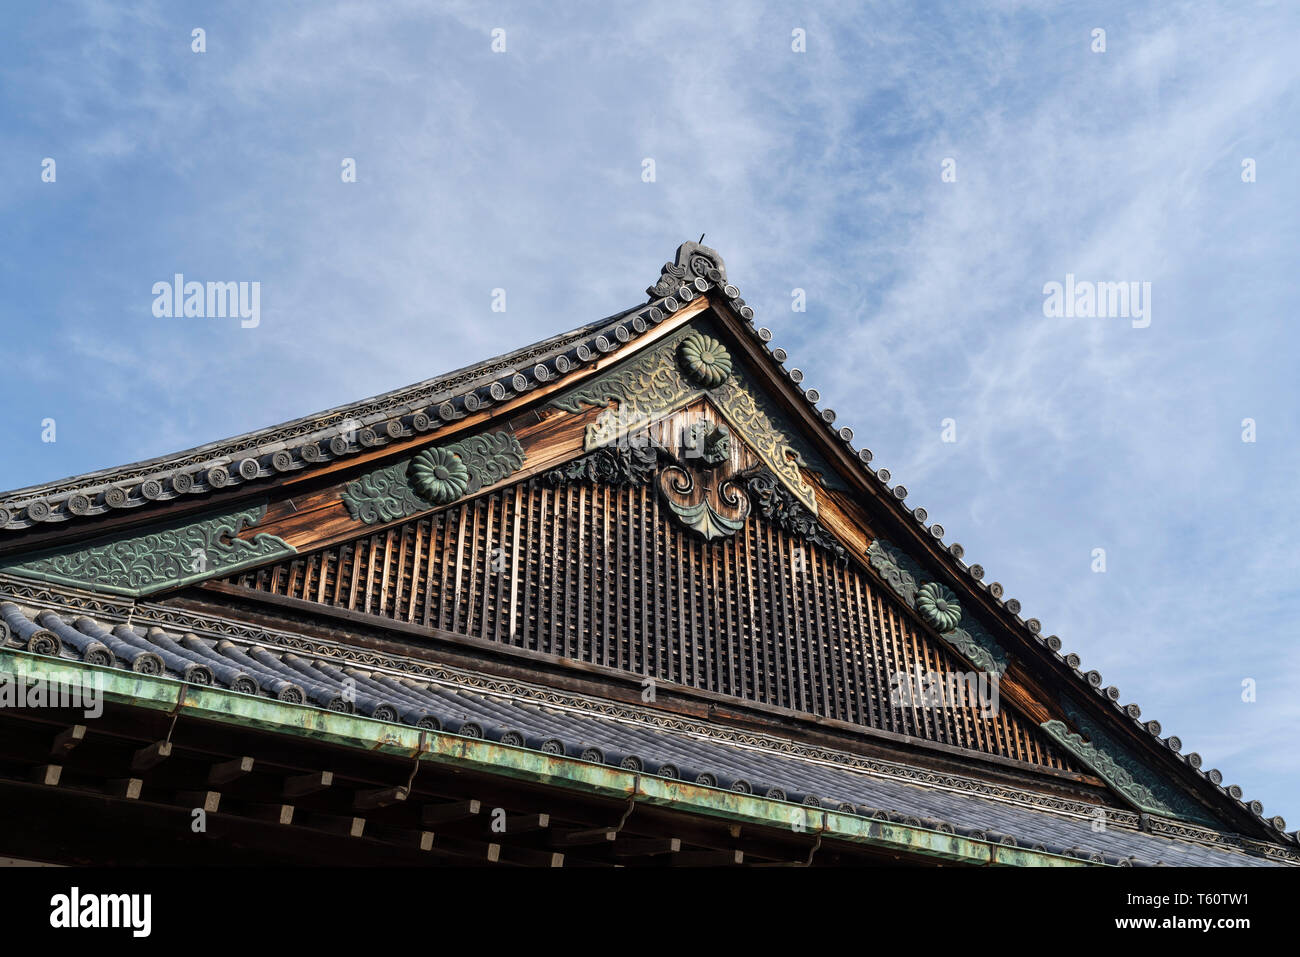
646	389
147	560
704	360
651	385
442	750
436	476
898	570
706	521
977	645
917	588
936	603
1118	768
382	495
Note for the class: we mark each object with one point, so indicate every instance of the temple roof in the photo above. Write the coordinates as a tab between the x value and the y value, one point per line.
235	468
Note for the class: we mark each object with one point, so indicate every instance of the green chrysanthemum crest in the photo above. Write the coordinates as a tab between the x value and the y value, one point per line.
438	476
704	360
938	606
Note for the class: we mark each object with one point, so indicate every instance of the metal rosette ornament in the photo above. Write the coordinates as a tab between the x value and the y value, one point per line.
438	476
704	360
938	606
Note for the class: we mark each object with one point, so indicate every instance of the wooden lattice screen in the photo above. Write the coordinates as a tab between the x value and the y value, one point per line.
600	574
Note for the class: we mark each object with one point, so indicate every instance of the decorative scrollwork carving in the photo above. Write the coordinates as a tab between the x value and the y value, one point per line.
692	261
652	384
623	465
1119	769
159	556
905	577
707	443
777	505
409	485
701	516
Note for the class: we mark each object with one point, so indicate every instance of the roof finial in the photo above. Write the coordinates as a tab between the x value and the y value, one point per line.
701	239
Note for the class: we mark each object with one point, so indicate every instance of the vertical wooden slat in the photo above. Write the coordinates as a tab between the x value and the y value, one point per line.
602	574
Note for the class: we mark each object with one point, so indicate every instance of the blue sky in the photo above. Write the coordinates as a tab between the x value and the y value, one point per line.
818	170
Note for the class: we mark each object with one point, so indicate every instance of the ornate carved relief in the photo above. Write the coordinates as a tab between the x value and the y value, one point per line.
710	444
434	476
710	504
646	388
654	383
937	606
145	561
626	465
692	261
711	509
777	505
1114	765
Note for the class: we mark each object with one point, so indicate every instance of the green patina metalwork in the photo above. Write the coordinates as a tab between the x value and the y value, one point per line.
937	604
704	361
651	385
352	731
1118	768
706	521
436	476
898	570
917	588
140	562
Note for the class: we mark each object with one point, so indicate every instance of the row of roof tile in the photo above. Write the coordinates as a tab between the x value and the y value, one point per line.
335	685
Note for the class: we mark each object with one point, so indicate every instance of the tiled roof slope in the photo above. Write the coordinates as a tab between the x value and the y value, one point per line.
529	717
313	440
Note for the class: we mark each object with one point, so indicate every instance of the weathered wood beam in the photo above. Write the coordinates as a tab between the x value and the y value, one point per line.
68	739
525	823
151	756
435	814
209	801
530	857
228	771
127	788
304	784
379	797
594	835
647	847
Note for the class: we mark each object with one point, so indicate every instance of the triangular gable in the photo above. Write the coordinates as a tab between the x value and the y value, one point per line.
674	555
493	431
